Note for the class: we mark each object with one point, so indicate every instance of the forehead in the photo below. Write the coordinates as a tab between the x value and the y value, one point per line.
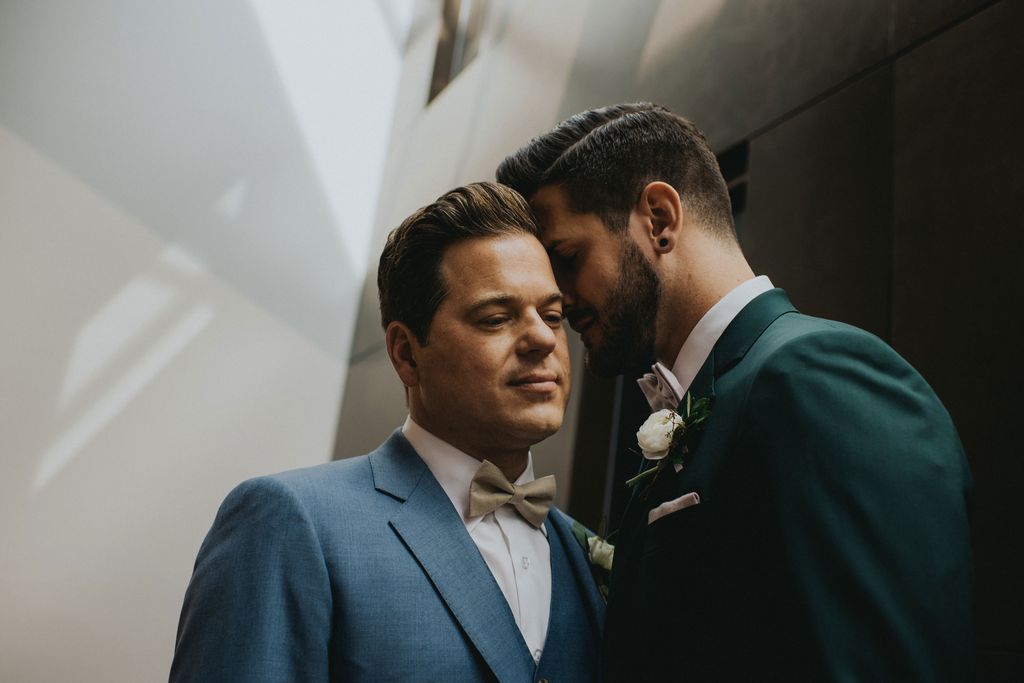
511	264
550	203
557	219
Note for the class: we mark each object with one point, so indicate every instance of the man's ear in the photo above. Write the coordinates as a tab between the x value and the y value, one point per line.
403	347
662	210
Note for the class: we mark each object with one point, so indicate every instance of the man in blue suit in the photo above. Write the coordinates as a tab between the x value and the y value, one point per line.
433	558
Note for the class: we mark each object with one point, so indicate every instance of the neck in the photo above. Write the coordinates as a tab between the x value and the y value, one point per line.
510	460
711	271
512	465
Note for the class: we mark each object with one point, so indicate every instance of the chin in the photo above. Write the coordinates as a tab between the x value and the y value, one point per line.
541	424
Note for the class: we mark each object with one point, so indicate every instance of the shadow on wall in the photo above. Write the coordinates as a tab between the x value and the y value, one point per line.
138	389
209	126
185	224
120	350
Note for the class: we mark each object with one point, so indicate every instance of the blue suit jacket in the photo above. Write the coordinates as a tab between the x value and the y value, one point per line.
362	569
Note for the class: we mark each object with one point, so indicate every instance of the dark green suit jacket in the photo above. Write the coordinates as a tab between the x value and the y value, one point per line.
831	541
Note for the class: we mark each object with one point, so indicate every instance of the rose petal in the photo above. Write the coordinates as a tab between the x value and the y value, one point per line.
654	456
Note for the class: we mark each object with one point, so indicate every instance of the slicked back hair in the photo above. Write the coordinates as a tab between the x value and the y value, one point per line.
603	159
409	280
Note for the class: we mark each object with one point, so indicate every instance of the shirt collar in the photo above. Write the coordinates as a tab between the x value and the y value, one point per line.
453	469
709	329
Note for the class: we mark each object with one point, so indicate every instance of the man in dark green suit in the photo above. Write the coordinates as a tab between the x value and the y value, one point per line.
809	521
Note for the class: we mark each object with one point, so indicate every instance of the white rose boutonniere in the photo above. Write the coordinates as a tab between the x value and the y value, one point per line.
657	433
666	435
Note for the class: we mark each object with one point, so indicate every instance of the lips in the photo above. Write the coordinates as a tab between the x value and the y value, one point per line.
538	382
535	377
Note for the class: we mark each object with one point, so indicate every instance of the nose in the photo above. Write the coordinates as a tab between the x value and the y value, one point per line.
538	336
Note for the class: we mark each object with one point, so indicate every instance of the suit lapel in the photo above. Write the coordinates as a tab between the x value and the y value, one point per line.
746	328
434	533
563	550
703	384
737	339
625	601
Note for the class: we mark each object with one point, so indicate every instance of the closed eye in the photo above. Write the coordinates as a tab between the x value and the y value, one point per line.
567	259
494	321
554	318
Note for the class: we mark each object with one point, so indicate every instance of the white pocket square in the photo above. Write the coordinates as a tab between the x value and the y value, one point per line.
671	506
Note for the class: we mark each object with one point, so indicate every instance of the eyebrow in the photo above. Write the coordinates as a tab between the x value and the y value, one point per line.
508	299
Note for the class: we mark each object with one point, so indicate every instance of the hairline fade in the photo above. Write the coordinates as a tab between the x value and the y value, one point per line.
603	158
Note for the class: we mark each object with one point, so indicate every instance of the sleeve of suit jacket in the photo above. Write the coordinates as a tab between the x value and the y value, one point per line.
258	607
865	490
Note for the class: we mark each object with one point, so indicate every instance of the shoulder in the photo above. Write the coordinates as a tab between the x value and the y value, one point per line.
812	359
330	478
307	486
290	514
798	348
796	332
822	387
303	497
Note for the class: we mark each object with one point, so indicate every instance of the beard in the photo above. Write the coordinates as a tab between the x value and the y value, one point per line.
630	317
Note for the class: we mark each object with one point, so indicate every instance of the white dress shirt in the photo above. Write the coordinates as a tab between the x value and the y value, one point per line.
707	332
517	553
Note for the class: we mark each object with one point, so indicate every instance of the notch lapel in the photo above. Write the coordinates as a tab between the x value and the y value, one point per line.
435	534
703	384
747	327
737	339
560	531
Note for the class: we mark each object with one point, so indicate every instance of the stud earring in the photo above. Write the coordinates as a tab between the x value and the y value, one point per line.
663	242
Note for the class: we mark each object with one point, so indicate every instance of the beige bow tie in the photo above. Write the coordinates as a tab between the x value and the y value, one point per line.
658	388
489	490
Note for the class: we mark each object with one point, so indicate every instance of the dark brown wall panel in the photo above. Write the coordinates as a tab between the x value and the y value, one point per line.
818	216
958	291
733	66
913	20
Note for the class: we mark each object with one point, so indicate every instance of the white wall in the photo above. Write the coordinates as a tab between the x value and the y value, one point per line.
186	201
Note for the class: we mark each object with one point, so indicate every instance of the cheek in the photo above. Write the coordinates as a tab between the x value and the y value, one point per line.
445	372
592	281
562	354
478	365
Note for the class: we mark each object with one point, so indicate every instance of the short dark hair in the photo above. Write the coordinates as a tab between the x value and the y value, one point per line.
603	158
409	281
